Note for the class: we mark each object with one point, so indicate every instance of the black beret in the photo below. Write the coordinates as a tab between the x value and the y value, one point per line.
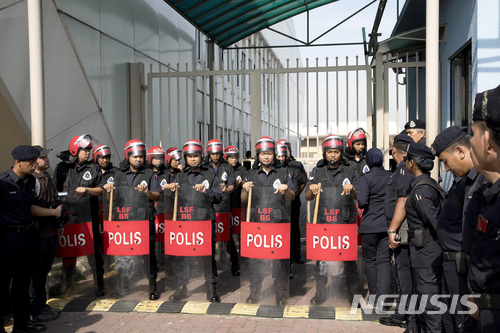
477	112
418	149
43	152
403	138
447	137
25	153
492	117
417	123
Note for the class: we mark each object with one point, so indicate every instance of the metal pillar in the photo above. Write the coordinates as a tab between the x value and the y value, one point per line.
35	39
379	100
432	75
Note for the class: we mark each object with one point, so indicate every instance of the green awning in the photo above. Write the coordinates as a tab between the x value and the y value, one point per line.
228	21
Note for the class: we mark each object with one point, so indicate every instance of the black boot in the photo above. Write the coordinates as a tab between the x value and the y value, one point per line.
254	297
153	294
320	295
212	294
179	294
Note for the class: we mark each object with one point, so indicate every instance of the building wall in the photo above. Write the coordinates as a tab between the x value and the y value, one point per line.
487	47
87	45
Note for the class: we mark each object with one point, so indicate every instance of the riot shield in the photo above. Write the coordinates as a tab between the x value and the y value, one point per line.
265	243
74	270
332	244
126	243
189	244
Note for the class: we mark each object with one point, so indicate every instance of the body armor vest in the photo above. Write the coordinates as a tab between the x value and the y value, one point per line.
193	205
223	173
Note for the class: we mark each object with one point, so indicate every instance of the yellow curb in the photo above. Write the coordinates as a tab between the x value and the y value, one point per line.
292	311
346	314
195	307
148	306
102	305
59	303
245	309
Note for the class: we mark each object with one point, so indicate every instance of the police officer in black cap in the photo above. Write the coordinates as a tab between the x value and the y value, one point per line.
423	207
373	229
17	235
452	147
484	270
394	210
415	129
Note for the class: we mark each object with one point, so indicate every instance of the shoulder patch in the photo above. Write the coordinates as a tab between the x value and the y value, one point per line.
224	176
144	183
238	178
276	184
346	182
206	184
163	182
366	169
110	180
87	175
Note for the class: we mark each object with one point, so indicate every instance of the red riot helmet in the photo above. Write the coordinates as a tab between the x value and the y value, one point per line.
134	147
193	147
214	146
155	151
282	149
286	143
231	151
332	141
173	154
357	135
79	142
264	144
101	151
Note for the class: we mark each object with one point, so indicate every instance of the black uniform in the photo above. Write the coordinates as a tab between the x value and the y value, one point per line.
297	170
371	194
204	210
47	240
397	187
426	255
484	274
226	175
264	184
17	243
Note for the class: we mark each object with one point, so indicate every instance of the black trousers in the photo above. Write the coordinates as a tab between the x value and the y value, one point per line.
377	255
17	253
295	228
427	282
489	320
46	251
405	283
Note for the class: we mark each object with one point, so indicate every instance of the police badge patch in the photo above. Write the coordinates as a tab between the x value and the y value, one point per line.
366	169
238	178
412	124
346	182
206	184
144	183
87	175
224	176
276	184
110	180
163	182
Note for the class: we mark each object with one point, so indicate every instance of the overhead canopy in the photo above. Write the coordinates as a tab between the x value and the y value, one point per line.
228	21
408	41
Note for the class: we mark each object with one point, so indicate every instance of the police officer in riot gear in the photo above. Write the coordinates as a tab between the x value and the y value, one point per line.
225	173
266	174
452	147
199	188
140	178
77	176
355	151
49	229
297	171
102	158
423	207
17	235
331	171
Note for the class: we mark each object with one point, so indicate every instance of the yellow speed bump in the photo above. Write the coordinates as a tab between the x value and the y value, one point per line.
195	307
245	309
148	306
102	305
293	311
59	303
348	314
